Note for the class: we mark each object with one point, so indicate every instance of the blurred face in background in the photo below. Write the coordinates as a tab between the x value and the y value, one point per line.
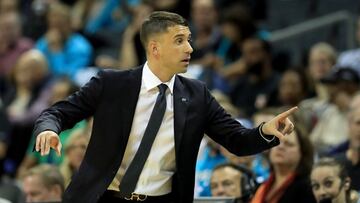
287	153
10	27
254	54
204	14
326	184
291	90
59	18
76	151
320	64
8	6
36	191
226	182
354	128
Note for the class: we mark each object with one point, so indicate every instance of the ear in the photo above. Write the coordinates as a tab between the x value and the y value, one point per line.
56	190
154	48
347	183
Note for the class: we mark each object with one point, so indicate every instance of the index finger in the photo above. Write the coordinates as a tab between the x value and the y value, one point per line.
287	113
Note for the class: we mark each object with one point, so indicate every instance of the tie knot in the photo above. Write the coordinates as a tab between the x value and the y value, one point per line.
162	88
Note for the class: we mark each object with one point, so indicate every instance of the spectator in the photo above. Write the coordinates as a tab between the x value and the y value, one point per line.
67	52
260	80
43	183
291	164
229	180
331	183
12	43
332	127
350	158
322	58
20	105
292	88
74	150
131	52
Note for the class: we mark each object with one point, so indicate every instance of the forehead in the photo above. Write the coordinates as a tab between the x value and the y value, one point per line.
226	173
178	30
324	171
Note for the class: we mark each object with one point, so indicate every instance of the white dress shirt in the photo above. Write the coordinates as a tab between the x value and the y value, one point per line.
156	176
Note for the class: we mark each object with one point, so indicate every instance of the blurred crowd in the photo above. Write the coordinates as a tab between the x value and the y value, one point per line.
50	48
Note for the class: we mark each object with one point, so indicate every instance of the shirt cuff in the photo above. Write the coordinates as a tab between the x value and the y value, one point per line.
266	137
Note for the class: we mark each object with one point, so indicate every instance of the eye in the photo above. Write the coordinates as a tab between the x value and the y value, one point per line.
328	183
179	41
315	186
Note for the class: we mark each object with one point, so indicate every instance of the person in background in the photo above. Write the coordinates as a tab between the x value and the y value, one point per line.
12	44
75	148
330	182
253	90
43	183
291	164
292	89
229	180
321	60
332	126
67	52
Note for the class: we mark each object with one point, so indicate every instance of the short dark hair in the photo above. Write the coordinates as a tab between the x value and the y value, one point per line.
159	22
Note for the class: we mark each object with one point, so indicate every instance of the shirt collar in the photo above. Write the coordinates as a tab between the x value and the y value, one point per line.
151	81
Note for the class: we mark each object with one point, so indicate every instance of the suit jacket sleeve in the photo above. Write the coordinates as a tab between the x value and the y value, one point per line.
65	114
228	132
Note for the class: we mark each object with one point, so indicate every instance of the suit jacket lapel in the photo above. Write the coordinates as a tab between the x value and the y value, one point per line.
181	102
131	96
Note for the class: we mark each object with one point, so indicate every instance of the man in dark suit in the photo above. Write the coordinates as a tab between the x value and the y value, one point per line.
126	105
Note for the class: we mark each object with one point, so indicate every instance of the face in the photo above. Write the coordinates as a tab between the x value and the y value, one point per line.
203	14
319	64
8	6
354	128
9	27
36	191
173	49
253	51
231	32
58	20
326	183
226	182
287	153
290	88
76	152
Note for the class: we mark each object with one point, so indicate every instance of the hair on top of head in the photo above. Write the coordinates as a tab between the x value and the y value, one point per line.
159	22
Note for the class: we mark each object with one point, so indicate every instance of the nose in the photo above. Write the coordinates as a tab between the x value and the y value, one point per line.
219	191
189	48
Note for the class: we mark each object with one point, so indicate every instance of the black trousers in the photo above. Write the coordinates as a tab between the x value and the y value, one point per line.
110	196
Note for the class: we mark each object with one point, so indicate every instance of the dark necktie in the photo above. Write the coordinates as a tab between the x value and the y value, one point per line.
132	174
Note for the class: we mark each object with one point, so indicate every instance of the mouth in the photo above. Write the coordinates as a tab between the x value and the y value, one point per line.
187	60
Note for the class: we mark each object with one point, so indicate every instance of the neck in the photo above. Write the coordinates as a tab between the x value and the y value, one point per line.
282	172
321	91
163	73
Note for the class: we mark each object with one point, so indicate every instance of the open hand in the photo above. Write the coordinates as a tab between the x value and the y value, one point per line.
46	140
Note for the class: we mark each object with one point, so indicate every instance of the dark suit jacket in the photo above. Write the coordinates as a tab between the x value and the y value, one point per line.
111	98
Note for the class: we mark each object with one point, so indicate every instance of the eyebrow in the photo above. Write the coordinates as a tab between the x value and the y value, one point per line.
181	35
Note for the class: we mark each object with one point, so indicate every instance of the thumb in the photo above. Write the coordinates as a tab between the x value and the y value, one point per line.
278	134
